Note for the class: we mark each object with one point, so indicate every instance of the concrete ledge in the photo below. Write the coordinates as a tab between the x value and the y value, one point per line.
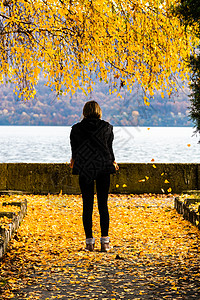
6	233
3	176
185	208
155	178
136	178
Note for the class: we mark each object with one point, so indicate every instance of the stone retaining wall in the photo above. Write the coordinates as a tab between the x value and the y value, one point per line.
7	231
189	212
132	178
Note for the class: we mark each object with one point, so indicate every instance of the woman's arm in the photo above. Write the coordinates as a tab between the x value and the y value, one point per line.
110	143
110	146
73	142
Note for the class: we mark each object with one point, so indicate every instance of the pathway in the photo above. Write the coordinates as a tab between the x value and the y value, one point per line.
155	253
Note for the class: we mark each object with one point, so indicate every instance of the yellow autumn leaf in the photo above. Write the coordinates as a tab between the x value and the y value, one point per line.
11	295
12	280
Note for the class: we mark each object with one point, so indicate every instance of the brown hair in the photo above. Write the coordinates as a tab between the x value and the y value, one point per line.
92	109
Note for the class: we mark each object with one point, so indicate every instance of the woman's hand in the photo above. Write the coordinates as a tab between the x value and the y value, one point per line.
116	165
71	163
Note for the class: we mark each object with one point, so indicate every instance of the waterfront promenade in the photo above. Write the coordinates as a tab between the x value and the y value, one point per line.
154	255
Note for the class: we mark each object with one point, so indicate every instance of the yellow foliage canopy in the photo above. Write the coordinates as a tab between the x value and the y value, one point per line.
124	41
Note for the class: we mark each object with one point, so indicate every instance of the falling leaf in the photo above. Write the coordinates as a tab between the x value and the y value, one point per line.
124	185
189	145
141	180
117	185
152	159
169	190
166	181
154	166
146	177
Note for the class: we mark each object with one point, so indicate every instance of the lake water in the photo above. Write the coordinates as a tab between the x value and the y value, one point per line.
34	144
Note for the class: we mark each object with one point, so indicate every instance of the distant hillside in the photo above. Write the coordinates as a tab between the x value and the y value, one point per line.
128	110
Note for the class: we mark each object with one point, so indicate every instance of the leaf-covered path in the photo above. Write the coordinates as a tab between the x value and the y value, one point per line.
155	253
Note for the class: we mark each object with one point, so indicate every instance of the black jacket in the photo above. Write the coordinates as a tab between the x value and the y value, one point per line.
91	144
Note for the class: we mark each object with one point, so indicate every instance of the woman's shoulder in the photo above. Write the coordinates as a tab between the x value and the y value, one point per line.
75	129
76	125
106	123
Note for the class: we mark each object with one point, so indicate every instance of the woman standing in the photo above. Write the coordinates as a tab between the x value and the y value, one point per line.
93	159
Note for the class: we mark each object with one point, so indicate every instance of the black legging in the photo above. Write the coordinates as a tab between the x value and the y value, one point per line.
87	190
